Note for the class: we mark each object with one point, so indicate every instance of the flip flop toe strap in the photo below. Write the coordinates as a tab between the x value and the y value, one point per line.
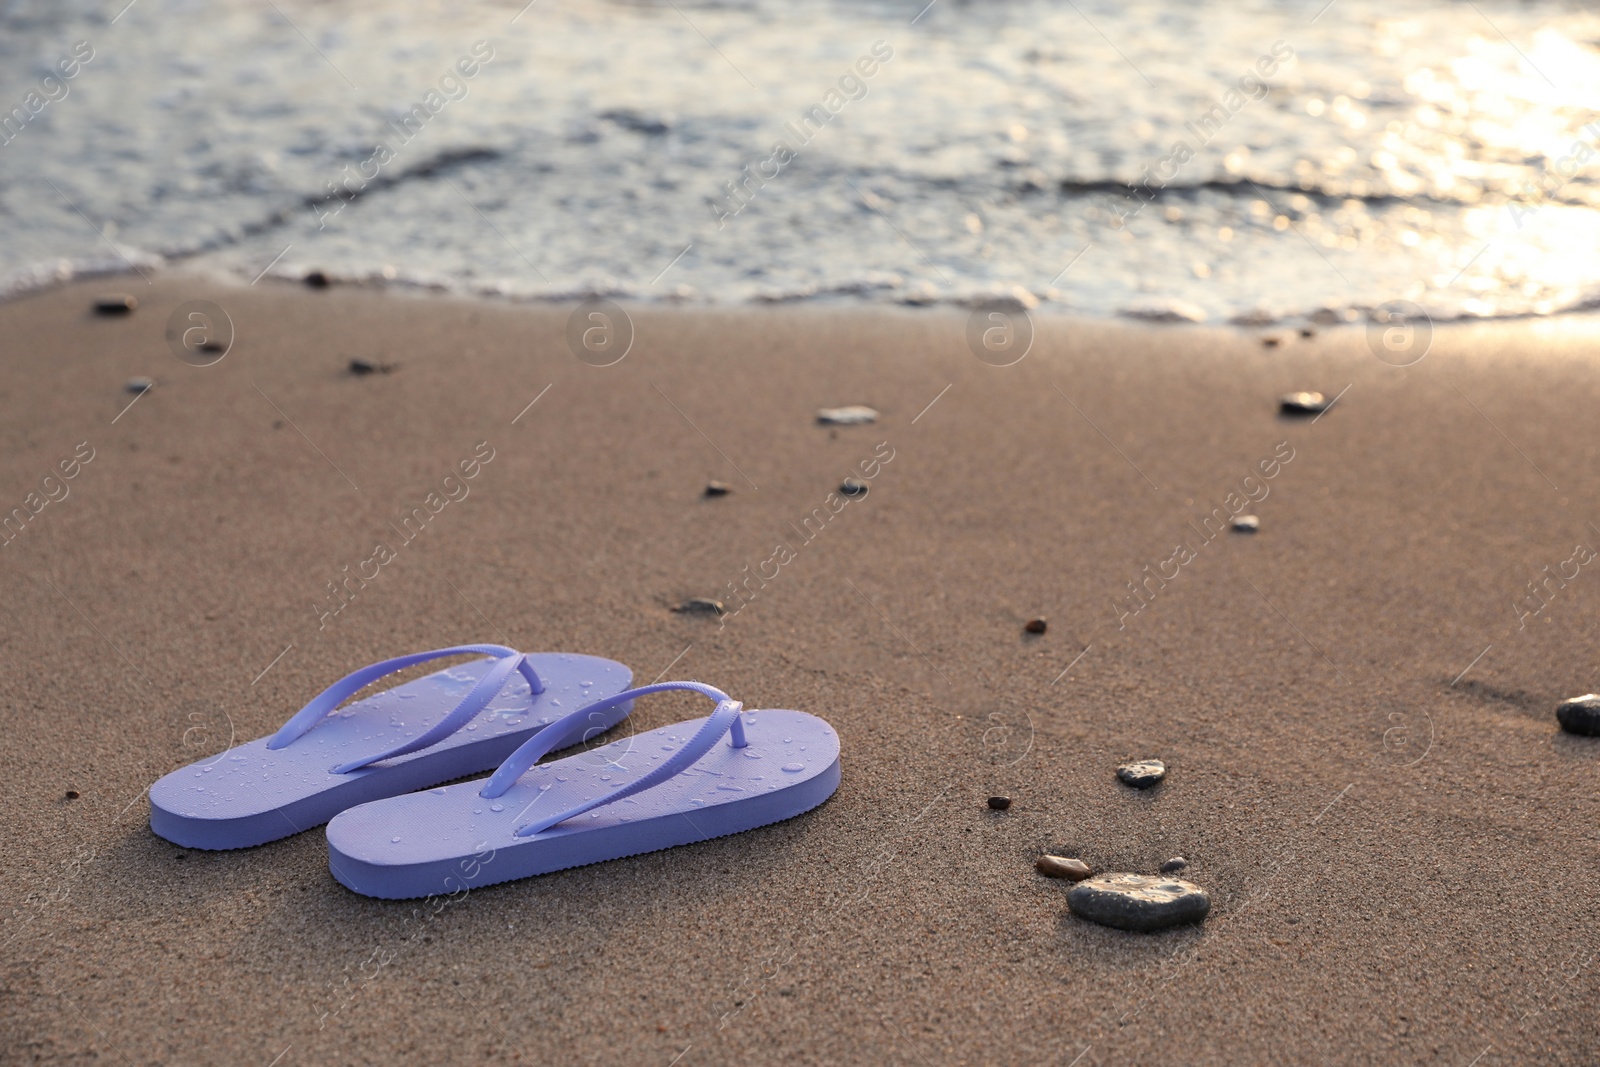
507	660
724	720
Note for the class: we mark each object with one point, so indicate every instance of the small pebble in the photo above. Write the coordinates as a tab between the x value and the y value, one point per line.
72	794
1062	867
700	603
718	489
1303	403
1138	902
138	385
853	415
114	304
1174	865
1246	524
316	279
853	487
212	345
999	803
1271	341
1580	715
1307	332
1036	626
363	366
1142	774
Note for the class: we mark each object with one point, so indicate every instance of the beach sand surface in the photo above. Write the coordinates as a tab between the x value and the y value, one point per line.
1364	766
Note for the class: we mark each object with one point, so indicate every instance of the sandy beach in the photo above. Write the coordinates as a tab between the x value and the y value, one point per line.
1355	704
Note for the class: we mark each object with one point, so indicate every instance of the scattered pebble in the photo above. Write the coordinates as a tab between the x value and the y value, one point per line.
316	279
1138	902
115	304
700	603
1062	867
1036	626
212	345
853	415
1303	403
138	385
363	366
1174	865
718	489
1307	332
1142	774
73	794
1246	524
853	487
999	803
1271	341
1580	715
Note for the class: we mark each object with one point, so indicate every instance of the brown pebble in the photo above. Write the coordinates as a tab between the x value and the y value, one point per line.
1302	404
718	489
1307	332
1174	865
1036	626
1270	342
1062	867
999	803
115	304
316	279
73	794
700	603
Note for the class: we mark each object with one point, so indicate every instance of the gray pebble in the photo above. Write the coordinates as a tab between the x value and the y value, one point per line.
1580	715
1303	403
1142	774
853	487
852	415
114	304
1174	865
1062	867
316	279
698	604
1246	524
138	385
718	489
1138	902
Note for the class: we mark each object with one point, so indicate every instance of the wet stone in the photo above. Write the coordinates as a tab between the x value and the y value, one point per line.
718	489
1580	715
999	803
1062	867
1036	626
316	279
1142	774
72	794
1174	865
1246	524
853	487
114	304
1303	403
850	415
137	385
1138	902
700	604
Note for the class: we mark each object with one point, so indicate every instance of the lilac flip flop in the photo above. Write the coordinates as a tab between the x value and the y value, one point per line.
326	759
666	787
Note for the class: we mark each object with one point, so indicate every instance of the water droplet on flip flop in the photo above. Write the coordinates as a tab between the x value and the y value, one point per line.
794	768
497	807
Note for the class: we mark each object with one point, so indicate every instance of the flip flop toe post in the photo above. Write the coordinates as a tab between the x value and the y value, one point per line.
453	723
672	786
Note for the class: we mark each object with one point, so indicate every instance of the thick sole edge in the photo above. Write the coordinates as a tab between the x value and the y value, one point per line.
424	771
435	879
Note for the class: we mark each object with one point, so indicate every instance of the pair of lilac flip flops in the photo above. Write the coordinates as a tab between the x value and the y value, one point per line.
370	769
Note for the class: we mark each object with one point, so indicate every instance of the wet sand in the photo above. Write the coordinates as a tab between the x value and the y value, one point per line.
1363	762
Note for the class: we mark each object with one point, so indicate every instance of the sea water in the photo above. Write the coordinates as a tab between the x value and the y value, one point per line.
1253	161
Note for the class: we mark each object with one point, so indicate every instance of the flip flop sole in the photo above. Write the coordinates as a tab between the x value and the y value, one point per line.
250	795
450	839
